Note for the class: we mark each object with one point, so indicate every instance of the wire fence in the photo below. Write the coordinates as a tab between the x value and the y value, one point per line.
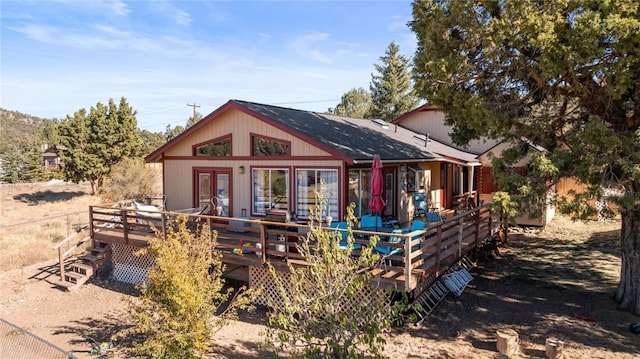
29	242
17	343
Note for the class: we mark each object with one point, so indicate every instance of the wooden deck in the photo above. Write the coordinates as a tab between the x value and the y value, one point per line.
251	243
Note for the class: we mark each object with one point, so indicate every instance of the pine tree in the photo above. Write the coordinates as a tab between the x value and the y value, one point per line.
562	75
354	103
391	88
97	140
34	170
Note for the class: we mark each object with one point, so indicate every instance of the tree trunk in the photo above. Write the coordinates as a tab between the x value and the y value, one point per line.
628	293
93	187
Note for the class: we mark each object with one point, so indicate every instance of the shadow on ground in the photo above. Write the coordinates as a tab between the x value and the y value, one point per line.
548	287
47	196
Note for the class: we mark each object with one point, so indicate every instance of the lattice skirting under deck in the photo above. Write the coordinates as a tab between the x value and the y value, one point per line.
129	267
261	279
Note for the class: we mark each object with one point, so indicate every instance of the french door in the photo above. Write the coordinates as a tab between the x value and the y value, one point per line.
212	188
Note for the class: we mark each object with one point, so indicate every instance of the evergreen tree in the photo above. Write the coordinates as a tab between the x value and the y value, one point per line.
151	141
191	121
560	74
12	164
34	170
354	103
97	140
171	133
391	88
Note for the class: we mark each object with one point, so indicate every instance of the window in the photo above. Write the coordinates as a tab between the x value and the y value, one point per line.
262	146
359	190
270	190
218	148
308	186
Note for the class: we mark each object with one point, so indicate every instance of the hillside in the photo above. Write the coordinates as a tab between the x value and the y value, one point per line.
18	129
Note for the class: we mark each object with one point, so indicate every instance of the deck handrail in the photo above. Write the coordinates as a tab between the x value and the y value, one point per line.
427	251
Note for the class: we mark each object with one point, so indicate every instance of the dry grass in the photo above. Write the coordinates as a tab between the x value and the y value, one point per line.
34	217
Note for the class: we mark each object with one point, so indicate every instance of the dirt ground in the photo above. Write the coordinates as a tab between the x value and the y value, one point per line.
553	283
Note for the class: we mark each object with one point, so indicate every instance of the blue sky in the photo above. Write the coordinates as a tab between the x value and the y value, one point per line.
61	56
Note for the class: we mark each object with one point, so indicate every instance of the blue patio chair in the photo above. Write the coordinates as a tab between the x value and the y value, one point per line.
419	204
369	222
417	225
433	217
342	228
386	250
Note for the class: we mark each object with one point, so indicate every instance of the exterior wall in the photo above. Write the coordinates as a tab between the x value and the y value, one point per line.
433	123
485	158
488	186
241	126
179	162
430	185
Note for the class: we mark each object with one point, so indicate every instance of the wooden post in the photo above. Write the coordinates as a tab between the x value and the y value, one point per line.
460	227
477	229
163	218
438	246
407	263
263	242
91	221
553	348
125	225
61	263
507	341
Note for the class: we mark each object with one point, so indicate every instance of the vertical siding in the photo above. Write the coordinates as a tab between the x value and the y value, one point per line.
433	122
179	171
240	125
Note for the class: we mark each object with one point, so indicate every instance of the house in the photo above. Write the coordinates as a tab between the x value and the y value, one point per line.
247	158
245	164
50	158
463	181
431	121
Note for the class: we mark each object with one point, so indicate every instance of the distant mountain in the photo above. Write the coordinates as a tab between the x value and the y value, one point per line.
18	129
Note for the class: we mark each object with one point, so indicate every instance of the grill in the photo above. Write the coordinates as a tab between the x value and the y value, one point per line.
278	215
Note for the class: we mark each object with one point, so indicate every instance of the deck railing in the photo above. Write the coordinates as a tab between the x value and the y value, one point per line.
418	255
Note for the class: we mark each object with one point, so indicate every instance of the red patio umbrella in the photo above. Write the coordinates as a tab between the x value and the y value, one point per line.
376	203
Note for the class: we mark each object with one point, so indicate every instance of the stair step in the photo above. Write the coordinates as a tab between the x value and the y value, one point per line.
90	258
65	285
73	277
82	268
100	249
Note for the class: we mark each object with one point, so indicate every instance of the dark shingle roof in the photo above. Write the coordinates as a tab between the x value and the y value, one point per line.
357	139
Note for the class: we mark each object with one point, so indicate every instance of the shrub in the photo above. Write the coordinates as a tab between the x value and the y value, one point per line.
130	179
176	313
331	307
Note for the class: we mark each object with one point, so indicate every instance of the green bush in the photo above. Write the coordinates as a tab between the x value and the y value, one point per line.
332	307
176	312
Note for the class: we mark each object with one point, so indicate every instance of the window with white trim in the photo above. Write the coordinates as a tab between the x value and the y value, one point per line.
313	182
270	189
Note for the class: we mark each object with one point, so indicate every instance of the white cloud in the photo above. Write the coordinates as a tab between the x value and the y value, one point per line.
168	10
264	37
307	44
119	8
182	17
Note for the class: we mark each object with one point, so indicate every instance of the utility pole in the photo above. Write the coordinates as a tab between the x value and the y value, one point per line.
194	105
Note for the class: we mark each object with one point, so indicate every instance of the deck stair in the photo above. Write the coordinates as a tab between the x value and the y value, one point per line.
81	269
454	280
